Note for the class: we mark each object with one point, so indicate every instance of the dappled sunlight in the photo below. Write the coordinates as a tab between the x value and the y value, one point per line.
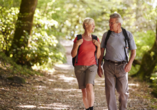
63	66
67	79
69	90
131	84
40	87
97	82
45	106
26	106
100	88
31	48
49	71
5	89
54	106
51	80
76	96
133	99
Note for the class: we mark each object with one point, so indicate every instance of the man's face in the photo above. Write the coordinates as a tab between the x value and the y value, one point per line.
114	26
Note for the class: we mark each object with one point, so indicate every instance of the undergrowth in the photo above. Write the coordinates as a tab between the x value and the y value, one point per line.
9	67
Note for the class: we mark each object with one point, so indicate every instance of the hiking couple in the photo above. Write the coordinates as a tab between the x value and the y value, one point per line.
116	42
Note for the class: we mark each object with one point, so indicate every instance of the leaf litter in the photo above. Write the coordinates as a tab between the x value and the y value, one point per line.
59	91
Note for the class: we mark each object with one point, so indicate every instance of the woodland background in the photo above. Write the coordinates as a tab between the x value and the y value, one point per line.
31	31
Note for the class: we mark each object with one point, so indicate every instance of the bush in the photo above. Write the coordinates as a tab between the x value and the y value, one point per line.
43	47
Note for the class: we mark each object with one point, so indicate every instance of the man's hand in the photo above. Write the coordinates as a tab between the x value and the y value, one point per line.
128	67
100	72
95	42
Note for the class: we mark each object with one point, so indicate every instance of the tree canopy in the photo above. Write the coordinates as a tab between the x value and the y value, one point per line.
55	20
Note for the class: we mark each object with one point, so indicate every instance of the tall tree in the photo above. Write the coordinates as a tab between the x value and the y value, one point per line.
149	59
149	62
23	30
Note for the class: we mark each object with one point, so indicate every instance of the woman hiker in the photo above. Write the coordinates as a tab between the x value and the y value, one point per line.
86	65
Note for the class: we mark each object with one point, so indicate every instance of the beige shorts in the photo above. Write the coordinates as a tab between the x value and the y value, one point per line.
85	75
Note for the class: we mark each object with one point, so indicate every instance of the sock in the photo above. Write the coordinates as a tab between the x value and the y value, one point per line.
90	108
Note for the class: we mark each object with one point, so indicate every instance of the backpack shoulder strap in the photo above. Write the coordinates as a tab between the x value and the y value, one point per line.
79	36
108	35
94	37
126	37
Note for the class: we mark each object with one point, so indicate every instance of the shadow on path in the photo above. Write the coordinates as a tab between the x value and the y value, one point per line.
57	89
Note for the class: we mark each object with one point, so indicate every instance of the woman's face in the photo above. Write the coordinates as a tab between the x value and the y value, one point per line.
90	27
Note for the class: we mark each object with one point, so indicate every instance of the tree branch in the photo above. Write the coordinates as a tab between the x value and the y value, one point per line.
136	62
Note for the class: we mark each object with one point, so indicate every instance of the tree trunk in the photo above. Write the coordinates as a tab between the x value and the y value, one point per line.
23	30
138	3
148	63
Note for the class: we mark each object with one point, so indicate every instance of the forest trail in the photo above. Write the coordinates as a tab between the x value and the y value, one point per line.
57	89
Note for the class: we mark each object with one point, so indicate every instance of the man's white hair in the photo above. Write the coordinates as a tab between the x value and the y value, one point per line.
118	16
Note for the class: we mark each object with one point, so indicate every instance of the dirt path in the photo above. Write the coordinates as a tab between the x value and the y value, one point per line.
57	90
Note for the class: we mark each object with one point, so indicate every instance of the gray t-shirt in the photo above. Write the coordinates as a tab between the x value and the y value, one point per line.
115	46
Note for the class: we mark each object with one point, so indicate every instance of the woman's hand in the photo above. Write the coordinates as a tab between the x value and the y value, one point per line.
95	42
75	47
79	42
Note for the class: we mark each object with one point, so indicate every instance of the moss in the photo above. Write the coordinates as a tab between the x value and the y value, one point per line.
154	92
16	80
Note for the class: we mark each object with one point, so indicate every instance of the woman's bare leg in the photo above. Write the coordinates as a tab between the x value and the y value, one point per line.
90	94
85	99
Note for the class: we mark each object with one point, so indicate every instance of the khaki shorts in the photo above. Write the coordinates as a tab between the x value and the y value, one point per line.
85	75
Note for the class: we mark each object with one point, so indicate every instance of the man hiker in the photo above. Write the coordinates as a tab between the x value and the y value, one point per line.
117	42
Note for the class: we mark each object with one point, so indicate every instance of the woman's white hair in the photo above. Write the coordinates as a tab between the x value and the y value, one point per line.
118	16
87	20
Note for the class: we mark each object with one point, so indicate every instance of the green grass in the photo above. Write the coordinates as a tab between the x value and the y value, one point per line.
9	67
